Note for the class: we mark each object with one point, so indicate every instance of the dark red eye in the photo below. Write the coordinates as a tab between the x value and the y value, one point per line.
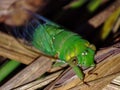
75	61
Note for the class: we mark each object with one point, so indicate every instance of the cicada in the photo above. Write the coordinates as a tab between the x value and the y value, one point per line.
58	42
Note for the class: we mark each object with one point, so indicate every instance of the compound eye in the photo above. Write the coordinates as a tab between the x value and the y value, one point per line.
75	61
84	53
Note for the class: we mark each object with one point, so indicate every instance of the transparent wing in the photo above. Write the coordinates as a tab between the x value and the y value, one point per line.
35	33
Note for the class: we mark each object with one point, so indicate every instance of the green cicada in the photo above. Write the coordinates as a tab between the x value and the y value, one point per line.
58	42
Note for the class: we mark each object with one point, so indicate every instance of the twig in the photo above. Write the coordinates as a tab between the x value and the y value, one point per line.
30	73
97	20
13	12
7	68
11	48
98	83
40	82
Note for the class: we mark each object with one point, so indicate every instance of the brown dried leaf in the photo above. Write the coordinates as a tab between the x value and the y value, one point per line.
30	73
14	12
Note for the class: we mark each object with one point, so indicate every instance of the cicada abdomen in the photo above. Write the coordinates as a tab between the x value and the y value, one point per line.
55	41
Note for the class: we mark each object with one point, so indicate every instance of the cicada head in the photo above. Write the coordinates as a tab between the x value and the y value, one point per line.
86	58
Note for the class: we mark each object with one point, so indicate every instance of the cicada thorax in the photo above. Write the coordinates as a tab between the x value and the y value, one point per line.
69	45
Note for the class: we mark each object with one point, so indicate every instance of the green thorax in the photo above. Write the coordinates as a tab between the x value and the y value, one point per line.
68	45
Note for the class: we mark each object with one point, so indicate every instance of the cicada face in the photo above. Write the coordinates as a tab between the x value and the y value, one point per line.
86	58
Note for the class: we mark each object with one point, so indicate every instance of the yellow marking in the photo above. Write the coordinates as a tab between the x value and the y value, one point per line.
92	47
70	56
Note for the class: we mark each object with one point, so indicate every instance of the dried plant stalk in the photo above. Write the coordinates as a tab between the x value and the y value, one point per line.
98	84
100	18
114	85
11	48
40	82
14	12
7	68
30	73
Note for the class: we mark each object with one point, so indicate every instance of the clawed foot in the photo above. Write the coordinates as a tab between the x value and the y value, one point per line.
86	83
90	72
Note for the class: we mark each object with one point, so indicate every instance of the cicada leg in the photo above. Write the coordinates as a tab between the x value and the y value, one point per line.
56	55
91	71
76	69
59	63
80	74
86	83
